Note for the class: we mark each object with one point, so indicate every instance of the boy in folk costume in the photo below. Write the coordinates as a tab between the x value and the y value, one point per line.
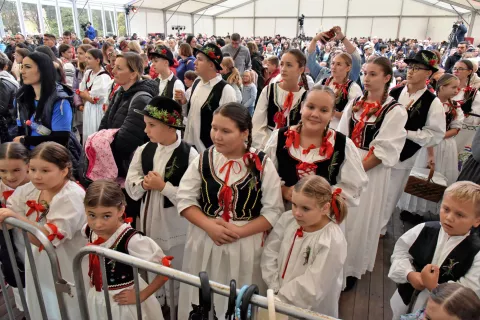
162	59
209	92
155	173
438	252
425	126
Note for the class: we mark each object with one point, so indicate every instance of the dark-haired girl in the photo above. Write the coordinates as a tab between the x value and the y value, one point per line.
94	92
44	102
313	148
375	123
231	196
105	211
53	204
279	103
13	173
469	100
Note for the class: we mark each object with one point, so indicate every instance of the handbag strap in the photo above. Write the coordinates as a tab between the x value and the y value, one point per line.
236	53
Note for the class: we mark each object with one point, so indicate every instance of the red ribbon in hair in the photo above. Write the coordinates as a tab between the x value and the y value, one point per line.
94	271
35	207
293	137
225	196
252	156
336	211
307	168
279	117
358	129
6	195
53	235
326	149
127	219
298	233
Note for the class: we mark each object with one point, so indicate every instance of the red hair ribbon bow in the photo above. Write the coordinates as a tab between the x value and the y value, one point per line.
53	235
35	207
226	193
94	271
358	129
326	149
293	137
6	195
252	156
167	262
279	117
127	219
298	233
336	211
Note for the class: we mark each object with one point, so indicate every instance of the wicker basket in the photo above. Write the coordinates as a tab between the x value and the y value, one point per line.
425	189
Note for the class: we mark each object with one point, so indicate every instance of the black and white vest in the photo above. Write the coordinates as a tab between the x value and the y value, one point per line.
209	106
176	166
417	118
455	266
273	108
246	192
371	129
327	168
168	90
343	101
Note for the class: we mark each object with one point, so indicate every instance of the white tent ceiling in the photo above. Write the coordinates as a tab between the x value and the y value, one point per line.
202	7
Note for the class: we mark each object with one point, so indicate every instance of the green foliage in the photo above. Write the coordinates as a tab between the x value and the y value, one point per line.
50	19
10	17
122	27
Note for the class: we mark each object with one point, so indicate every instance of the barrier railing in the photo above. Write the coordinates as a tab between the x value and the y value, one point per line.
172	274
61	286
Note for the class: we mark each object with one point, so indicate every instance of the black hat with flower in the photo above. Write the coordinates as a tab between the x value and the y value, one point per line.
163	52
165	110
212	52
426	58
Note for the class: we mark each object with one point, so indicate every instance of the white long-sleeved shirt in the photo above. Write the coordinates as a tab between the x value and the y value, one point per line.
178	85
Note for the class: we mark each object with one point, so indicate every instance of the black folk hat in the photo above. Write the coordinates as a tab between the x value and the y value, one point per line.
163	52
212	52
165	110
426	58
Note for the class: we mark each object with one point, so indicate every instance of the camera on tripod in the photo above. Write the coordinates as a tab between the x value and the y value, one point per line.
301	20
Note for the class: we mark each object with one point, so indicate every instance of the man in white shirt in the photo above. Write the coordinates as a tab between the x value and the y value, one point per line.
162	60
209	91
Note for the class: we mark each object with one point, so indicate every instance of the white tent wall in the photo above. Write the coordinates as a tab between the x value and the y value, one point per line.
382	18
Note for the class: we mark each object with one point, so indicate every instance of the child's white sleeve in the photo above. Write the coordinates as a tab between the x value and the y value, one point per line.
189	188
145	248
135	176
272	202
401	258
269	262
472	278
309	289
170	191
271	148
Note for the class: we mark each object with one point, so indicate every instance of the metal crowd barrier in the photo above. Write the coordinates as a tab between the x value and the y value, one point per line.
172	274
61	286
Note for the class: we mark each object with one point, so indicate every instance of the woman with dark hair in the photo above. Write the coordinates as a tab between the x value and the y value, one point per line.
59	72
94	91
192	41
44	106
469	100
65	53
187	61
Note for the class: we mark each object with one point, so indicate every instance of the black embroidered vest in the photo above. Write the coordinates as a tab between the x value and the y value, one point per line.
371	129
208	107
455	266
327	168
175	167
343	101
119	275
168	90
246	192
417	118
273	108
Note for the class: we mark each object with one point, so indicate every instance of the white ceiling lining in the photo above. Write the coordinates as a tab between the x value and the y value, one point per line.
201	7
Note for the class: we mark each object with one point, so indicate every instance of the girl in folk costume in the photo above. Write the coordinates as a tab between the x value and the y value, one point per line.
94	92
231	195
444	156
162	59
279	103
345	89
155	173
469	100
375	123
52	203
13	174
79	73
105	212
312	148
304	254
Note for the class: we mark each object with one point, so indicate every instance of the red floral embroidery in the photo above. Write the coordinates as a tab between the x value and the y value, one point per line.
212	55
171	120
164	51
432	62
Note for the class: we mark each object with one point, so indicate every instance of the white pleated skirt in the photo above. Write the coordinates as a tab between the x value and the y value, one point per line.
92	116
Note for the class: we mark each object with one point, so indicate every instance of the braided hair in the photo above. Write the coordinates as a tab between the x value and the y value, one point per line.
469	95
240	115
302	62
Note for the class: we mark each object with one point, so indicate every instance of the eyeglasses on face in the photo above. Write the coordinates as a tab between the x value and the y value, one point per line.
459	69
416	68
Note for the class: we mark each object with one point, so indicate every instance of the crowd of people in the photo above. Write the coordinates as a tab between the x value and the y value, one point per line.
271	161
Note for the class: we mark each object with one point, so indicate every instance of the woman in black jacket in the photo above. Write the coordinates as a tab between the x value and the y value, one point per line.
133	93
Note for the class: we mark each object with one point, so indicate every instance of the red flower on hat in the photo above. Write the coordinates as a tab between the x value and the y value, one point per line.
171	120
432	62
212	55
164	51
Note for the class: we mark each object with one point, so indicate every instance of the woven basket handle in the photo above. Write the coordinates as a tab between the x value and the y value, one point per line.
432	171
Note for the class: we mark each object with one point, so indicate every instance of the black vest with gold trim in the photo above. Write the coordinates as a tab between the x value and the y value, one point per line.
246	192
273	108
327	168
371	129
